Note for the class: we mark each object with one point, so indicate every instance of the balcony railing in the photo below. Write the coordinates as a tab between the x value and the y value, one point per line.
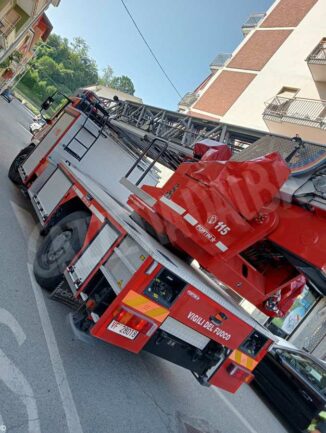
306	112
188	99
220	60
252	22
318	56
6	27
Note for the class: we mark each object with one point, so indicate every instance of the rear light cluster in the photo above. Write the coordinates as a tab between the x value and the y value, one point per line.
133	321
240	373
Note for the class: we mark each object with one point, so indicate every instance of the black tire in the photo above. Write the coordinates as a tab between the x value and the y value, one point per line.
59	247
17	162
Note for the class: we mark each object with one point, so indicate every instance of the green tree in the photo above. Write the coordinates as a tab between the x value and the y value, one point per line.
67	66
106	77
123	83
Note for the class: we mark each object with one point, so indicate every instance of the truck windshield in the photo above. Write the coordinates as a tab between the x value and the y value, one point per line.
59	102
314	373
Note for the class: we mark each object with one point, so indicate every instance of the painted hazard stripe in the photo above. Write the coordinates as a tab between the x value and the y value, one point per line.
178	209
221	246
145	306
243	360
190	219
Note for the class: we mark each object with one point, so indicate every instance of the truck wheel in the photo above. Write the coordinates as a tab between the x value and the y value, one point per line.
59	247
17	162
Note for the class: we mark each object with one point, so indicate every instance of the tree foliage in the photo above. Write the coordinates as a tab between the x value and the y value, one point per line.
122	82
105	79
67	66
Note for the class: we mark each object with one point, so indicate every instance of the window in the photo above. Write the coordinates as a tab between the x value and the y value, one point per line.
283	100
287	92
307	368
285	326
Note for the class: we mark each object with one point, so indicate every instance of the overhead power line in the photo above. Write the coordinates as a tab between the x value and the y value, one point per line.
149	48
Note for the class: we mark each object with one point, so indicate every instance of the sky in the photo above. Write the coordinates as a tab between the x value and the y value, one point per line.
185	35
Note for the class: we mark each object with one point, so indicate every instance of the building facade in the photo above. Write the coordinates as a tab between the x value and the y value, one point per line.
109	93
23	23
275	80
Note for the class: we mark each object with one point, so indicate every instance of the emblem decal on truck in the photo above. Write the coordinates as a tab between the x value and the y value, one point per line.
206	324
193	295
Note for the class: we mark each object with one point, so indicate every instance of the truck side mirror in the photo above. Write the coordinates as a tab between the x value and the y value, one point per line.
47	103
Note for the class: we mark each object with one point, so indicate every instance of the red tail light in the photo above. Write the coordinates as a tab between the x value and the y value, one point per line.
133	321
240	373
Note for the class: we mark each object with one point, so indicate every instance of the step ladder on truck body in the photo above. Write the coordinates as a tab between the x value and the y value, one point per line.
135	293
78	140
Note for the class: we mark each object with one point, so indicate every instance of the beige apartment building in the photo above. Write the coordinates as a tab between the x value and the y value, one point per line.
275	80
17	20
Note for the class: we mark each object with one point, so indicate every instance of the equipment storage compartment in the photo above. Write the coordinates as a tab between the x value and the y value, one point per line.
45	146
51	193
93	254
123	263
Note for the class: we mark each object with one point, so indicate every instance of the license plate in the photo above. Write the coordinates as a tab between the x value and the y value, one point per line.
123	330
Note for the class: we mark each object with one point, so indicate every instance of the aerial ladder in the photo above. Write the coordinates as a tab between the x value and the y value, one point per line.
164	267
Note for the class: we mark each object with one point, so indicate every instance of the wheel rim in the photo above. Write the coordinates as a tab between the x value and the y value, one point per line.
58	247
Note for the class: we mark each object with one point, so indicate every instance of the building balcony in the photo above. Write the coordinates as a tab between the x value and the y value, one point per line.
290	116
7	33
187	101
220	61
252	22
11	24
317	61
307	112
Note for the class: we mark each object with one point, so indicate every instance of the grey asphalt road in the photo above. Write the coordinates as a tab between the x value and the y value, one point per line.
51	382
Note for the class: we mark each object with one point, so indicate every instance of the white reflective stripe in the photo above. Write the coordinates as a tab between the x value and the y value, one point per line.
185	333
97	213
178	209
78	192
190	219
221	246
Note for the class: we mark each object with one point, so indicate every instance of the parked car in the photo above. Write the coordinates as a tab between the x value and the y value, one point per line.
37	124
7	95
295	382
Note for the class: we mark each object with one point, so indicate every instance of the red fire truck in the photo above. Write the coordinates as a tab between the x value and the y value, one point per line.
161	268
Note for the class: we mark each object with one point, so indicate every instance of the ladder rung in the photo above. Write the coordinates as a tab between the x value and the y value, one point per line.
74	154
91	133
82	144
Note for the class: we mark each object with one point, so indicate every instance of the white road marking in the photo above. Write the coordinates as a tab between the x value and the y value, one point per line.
68	403
3	427
235	411
14	379
7	319
29	229
16	382
25	129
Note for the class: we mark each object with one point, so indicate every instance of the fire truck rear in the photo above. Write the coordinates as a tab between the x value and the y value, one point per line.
131	281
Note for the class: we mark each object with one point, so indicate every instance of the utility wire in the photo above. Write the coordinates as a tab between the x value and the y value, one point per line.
150	49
